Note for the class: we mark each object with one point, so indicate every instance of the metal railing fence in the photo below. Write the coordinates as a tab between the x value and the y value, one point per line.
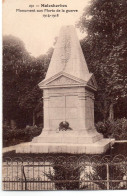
65	173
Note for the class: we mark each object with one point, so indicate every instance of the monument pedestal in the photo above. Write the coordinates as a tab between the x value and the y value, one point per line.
70	137
73	142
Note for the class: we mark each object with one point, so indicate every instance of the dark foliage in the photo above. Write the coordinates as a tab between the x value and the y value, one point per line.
22	98
115	129
16	136
105	50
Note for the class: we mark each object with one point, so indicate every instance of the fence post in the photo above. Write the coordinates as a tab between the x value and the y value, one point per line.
24	176
107	169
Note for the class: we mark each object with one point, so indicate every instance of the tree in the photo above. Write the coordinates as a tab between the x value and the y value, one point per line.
21	75
30	102
15	58
105	49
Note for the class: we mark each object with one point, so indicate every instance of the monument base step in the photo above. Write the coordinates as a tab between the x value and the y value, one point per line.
70	137
98	147
70	140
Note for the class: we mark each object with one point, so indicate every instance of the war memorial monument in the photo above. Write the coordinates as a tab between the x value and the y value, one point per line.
68	98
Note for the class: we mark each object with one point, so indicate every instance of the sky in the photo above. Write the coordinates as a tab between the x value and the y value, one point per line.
38	33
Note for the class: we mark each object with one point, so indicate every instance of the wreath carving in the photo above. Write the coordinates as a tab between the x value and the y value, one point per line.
64	126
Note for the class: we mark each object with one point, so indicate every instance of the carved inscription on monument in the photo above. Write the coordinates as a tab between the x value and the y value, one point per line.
67	49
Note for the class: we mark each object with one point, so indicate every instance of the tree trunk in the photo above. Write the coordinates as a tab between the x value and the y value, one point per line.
105	110
111	112
33	118
13	124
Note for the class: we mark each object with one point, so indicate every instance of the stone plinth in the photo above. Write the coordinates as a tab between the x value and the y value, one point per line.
99	147
68	95
70	137
73	104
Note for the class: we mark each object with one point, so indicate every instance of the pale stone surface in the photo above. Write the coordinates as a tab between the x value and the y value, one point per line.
68	56
68	95
95	148
70	105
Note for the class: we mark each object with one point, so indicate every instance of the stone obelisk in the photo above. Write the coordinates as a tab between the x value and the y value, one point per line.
68	96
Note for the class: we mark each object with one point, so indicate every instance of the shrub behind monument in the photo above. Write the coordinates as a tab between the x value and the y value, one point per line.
16	136
116	128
